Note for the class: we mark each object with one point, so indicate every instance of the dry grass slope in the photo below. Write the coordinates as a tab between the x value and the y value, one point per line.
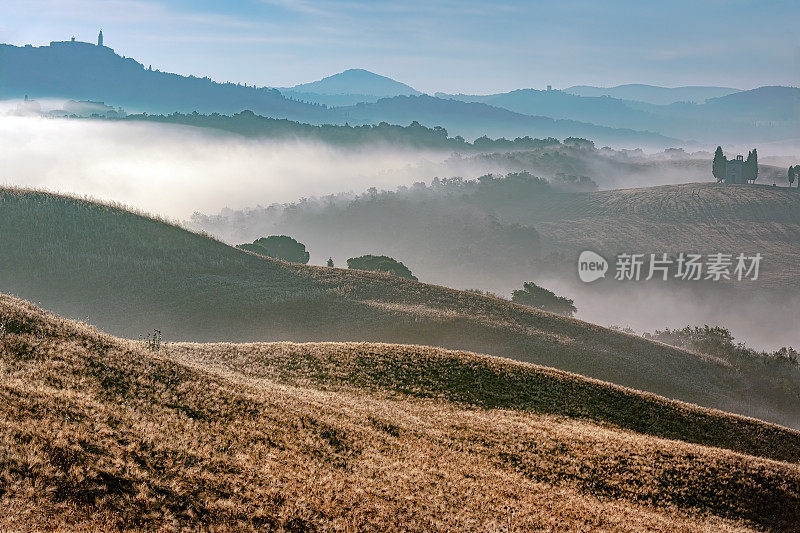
130	274
98	432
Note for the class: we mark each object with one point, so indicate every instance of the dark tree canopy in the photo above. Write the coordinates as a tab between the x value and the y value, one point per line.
380	263
718	167
279	247
751	166
535	296
794	175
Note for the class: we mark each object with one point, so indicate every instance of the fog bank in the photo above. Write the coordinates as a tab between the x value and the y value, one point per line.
175	171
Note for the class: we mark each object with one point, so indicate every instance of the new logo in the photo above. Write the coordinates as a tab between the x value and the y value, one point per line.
591	266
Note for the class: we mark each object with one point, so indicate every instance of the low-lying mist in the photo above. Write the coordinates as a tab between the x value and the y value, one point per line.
175	171
760	319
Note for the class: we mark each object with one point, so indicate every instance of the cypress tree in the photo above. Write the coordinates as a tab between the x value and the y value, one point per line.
718	167
751	166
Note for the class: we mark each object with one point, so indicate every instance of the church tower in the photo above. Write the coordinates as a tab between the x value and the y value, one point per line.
100	39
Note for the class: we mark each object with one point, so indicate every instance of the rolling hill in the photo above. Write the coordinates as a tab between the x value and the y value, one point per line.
701	217
696	216
496	234
104	433
130	274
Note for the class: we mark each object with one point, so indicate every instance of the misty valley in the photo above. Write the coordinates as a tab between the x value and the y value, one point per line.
351	304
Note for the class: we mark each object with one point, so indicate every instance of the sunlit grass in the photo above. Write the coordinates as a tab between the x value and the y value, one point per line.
99	432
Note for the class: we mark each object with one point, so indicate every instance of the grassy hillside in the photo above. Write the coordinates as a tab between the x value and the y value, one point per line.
130	274
703	217
101	433
497	217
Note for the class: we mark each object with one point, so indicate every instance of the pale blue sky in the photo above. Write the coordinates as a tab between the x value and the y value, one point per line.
453	46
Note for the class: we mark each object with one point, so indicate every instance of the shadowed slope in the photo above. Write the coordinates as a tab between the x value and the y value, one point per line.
99	432
130	274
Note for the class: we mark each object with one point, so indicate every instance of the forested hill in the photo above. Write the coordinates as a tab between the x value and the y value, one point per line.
83	71
249	124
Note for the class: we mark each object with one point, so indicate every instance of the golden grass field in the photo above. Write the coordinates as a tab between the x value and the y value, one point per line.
101	433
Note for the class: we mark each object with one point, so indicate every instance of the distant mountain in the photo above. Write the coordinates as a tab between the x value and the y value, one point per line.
474	119
765	114
652	94
765	103
562	105
355	81
82	71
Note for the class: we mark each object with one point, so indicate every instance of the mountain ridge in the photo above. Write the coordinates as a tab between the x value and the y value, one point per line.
653	94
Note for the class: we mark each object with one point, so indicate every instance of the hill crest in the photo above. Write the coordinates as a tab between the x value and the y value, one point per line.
356	81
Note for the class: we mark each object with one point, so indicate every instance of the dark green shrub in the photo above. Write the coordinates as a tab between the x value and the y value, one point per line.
380	263
717	341
535	296
279	247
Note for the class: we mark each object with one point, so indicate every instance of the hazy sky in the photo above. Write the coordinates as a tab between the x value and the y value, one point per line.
453	46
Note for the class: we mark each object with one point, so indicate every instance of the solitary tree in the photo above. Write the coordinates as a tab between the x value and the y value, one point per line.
279	247
539	297
718	167
330	261
791	176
